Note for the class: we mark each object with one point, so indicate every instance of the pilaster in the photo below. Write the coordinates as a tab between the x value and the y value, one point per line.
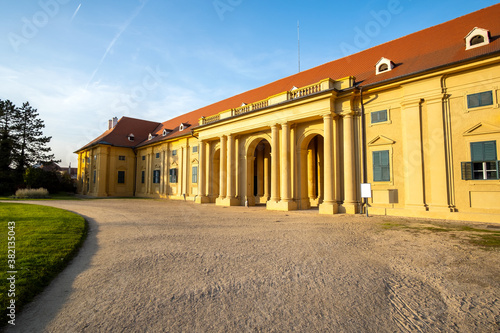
412	154
329	205
350	204
202	192
222	172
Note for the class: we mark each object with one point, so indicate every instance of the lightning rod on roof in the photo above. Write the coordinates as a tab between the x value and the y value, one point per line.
298	42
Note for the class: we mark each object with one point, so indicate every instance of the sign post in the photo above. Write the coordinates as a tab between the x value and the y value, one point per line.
366	192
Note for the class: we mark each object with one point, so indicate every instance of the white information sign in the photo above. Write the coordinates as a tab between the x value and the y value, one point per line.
366	190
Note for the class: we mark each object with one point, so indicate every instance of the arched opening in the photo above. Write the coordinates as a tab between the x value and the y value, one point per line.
262	172
315	171
383	68
214	178
478	39
312	171
258	172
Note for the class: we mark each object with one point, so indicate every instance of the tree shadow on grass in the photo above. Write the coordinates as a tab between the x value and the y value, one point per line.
37	315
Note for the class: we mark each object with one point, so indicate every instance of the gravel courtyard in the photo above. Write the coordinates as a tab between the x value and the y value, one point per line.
169	266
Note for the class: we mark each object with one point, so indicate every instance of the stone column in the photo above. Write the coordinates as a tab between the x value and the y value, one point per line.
202	192
329	206
162	172
274	164
222	172
230	198
350	204
311	174
260	172
286	202
285	162
305	202
148	173
412	155
438	176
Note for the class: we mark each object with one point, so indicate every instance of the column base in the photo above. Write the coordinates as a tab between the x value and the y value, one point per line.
227	202
441	209
417	207
261	200
328	208
219	201
349	208
202	199
281	205
304	204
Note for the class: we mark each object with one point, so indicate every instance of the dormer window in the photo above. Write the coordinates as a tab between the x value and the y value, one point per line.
131	137
476	38
150	136
165	132
294	88
183	126
383	65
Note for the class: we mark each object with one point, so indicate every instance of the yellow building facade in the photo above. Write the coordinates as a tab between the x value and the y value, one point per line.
420	123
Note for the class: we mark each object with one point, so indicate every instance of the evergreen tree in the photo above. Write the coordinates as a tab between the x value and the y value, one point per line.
7	115
30	146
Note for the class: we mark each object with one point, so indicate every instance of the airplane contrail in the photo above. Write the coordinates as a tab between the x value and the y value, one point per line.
117	36
76	11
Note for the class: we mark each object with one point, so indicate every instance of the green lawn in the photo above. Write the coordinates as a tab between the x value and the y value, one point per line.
46	239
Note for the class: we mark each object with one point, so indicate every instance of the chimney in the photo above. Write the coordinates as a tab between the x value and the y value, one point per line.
110	124
115	121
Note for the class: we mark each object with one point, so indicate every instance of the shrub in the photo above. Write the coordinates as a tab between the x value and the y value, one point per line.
30	193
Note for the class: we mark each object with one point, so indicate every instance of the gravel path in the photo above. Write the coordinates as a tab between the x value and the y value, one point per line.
157	265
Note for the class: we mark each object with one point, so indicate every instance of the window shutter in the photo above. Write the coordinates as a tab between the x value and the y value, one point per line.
476	151
381	166
490	151
466	170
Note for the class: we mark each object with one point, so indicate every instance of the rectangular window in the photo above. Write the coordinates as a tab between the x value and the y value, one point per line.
381	166
195	149
484	163
95	175
143	157
173	175
480	99
143	176
174	152
379	116
121	158
121	177
157	155
195	175
156	176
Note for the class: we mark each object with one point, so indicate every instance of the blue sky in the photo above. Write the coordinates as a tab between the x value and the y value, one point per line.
81	63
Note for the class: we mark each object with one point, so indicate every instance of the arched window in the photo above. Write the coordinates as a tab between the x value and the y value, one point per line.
477	40
383	68
477	37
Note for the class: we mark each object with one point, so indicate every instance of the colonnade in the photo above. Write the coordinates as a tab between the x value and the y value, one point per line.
283	165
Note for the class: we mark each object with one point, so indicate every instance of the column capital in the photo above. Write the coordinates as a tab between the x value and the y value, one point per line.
348	114
411	103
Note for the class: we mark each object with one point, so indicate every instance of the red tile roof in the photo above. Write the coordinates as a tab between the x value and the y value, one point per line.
118	136
428	49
